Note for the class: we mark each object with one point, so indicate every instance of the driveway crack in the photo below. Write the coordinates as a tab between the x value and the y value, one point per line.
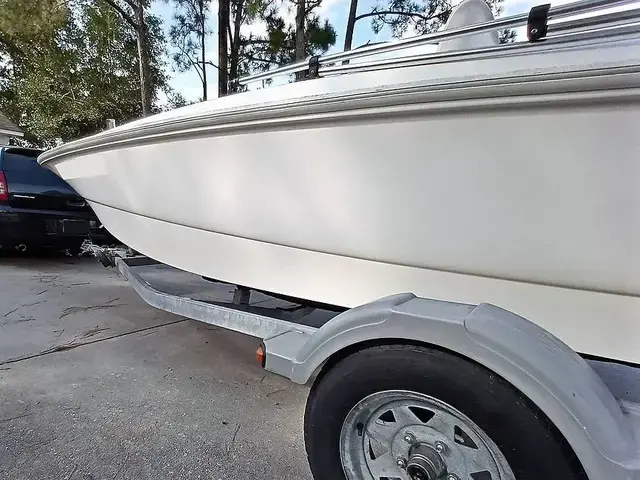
72	344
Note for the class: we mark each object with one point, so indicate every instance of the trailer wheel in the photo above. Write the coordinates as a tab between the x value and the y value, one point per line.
407	412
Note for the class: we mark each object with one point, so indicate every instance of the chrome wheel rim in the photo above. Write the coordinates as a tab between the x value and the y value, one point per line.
403	435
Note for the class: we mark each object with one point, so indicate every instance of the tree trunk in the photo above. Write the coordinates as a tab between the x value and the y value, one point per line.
235	43
203	51
223	26
300	53
300	16
143	59
351	23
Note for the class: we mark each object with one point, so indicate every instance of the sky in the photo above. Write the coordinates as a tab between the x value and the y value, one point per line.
188	83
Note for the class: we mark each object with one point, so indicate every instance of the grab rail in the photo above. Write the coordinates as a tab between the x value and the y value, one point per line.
607	19
481	53
558	12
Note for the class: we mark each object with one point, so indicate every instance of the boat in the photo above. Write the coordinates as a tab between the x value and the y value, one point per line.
476	172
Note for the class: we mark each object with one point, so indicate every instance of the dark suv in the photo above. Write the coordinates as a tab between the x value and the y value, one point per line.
38	209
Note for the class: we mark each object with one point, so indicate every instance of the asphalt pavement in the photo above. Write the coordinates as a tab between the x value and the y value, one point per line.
96	384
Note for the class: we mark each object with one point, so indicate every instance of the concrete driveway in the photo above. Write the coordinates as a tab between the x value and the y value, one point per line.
95	384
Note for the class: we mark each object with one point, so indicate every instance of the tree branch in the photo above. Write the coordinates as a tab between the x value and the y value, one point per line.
196	67
311	6
406	14
252	41
128	18
391	12
264	60
209	62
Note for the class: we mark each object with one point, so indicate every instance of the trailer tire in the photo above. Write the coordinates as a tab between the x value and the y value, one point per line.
526	439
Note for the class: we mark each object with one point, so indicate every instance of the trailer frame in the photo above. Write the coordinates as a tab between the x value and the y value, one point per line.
602	430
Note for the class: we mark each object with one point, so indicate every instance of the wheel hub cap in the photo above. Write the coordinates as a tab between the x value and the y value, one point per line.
425	463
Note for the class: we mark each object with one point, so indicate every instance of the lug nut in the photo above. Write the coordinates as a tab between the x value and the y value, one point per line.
409	438
401	462
441	447
452	476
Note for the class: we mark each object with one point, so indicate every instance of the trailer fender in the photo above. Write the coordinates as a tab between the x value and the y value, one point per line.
543	368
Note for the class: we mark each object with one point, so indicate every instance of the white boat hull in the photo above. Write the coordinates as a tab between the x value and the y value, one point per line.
600	324
518	193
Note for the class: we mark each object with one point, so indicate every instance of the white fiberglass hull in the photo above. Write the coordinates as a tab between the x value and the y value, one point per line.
514	189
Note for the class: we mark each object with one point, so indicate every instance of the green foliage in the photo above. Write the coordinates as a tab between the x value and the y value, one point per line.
187	35
277	47
507	35
254	8
423	16
30	19
187	31
66	74
175	100
419	16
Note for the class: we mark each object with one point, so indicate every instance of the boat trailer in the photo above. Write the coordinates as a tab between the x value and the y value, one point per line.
591	405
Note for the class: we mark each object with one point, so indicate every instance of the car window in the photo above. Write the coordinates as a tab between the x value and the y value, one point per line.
14	161
25	166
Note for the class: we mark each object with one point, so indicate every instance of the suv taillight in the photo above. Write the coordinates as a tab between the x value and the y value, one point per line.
4	188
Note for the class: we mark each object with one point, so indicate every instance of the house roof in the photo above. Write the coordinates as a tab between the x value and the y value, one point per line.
7	126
